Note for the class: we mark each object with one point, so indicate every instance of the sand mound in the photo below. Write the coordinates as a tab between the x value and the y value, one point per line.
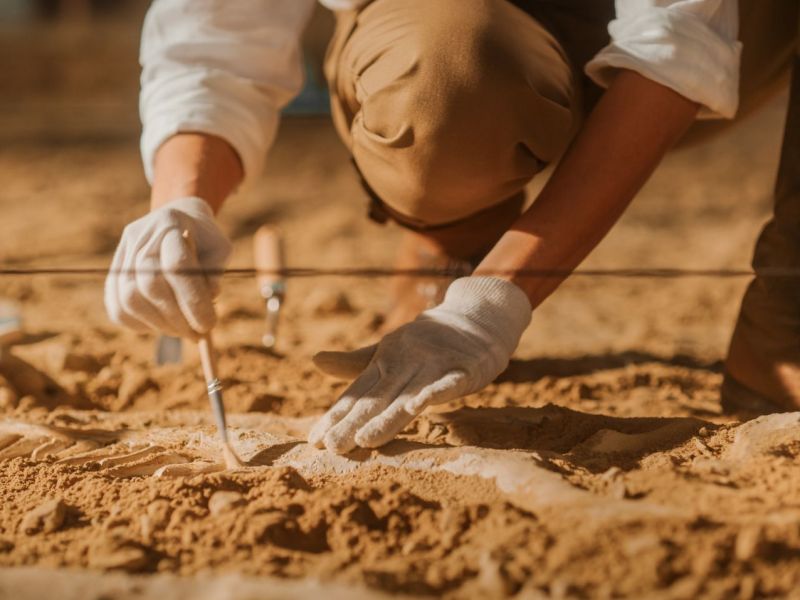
147	492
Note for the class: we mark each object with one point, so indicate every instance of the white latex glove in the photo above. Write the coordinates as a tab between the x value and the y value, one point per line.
143	291
449	351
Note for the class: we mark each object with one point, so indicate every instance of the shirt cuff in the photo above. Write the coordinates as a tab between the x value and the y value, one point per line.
679	51
249	127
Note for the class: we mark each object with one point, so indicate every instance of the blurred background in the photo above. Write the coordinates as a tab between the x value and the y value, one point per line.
71	179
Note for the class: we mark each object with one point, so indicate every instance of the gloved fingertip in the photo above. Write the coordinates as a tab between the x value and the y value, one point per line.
322	358
347	365
316	434
339	444
371	438
331	362
415	406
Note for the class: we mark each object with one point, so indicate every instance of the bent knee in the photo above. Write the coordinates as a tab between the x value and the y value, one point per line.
461	108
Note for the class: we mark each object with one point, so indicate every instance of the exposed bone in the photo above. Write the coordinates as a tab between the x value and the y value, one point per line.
189	469
7	439
94	455
148	466
130	456
22	447
50	447
77	448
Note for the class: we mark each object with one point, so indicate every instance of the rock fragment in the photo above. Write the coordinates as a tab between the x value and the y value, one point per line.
159	511
336	304
155	518
8	395
117	553
747	543
45	518
224	501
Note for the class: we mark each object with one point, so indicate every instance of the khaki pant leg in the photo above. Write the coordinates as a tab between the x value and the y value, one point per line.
448	106
764	355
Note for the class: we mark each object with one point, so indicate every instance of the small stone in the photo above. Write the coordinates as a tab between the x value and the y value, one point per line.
224	501
264	403
636	545
8	397
167	565
338	304
188	537
146	528
611	474
158	512
27	403
747	543
45	518
117	553
490	578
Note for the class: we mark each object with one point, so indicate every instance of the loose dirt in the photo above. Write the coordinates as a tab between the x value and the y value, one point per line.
599	465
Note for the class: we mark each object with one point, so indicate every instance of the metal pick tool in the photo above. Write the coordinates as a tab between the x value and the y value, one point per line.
268	259
208	360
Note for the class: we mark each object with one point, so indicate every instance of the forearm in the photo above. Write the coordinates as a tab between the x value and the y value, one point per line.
619	147
195	164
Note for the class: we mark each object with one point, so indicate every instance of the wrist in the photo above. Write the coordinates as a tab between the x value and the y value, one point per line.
195	165
194	206
498	306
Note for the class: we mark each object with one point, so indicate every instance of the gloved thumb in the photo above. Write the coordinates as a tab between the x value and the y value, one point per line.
345	365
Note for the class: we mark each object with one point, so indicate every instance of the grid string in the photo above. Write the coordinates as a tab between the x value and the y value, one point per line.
379	272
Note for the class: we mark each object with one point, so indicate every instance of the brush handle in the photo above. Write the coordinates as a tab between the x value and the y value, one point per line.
208	358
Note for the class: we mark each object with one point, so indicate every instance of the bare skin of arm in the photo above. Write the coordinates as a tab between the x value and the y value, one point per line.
622	142
195	164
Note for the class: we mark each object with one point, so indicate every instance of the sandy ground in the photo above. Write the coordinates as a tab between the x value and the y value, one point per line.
598	466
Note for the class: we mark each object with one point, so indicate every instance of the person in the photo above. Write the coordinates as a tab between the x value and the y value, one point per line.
449	108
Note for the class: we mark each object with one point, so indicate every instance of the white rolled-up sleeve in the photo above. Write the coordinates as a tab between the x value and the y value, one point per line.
222	67
689	46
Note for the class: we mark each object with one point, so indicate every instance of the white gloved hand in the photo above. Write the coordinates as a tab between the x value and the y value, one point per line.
449	351
143	290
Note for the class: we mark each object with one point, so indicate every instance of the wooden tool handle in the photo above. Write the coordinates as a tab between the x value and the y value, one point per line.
268	256
208	358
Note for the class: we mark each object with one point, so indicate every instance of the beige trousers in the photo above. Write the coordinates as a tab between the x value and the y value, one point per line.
451	106
763	363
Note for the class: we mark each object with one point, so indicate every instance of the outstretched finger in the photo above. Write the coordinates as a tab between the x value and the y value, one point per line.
343	406
111	292
384	427
342	438
346	365
154	289
192	292
447	388
134	305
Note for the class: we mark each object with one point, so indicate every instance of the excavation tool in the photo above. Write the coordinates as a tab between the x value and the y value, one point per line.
268	258
208	360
